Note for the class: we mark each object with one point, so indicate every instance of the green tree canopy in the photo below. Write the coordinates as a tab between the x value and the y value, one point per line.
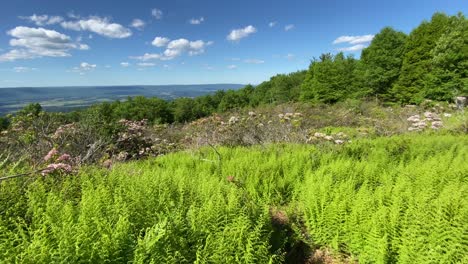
417	61
382	60
329	79
449	76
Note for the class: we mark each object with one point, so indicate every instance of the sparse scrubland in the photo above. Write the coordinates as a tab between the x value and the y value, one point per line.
350	161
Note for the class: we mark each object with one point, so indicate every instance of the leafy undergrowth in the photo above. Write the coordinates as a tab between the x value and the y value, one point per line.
400	199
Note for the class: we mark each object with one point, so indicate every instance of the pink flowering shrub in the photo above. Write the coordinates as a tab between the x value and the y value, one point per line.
58	163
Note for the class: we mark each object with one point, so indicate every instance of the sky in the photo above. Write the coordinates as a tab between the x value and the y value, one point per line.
103	42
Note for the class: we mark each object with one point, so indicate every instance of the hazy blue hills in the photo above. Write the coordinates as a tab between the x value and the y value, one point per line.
69	98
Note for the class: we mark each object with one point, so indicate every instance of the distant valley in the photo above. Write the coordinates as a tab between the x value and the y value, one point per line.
70	98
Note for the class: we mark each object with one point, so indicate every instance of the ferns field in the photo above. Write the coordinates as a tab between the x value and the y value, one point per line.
399	199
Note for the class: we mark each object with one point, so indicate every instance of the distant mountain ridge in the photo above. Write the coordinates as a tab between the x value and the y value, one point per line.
73	97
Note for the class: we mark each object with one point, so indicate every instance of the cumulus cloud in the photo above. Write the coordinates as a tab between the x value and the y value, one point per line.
124	64
254	61
272	24
160	41
238	34
175	48
87	66
42	20
232	67
353	48
98	25
288	27
138	24
354	39
32	43
156	13
196	21
84	67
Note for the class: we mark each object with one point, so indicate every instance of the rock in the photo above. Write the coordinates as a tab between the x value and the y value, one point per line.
437	124
319	135
341	135
420	124
414	118
447	115
329	138
460	101
252	114
233	120
339	142
429	115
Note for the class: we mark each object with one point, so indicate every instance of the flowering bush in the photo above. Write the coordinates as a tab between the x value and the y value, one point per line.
58	162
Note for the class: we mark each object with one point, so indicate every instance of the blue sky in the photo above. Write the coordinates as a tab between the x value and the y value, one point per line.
75	43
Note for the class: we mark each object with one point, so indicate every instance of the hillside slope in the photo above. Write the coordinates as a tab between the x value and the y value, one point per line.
398	199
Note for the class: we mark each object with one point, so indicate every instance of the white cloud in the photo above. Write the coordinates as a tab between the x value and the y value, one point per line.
254	61
146	64
98	25
138	24
84	67
353	48
272	24
354	39
42	20
175	48
147	56
288	27
83	47
20	69
54	20
232	67
124	64
196	21
156	13
160	41
238	34
32	43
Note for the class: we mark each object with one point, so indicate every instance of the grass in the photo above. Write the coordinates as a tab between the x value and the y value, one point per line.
399	199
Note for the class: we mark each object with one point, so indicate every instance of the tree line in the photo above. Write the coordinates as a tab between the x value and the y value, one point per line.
431	62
